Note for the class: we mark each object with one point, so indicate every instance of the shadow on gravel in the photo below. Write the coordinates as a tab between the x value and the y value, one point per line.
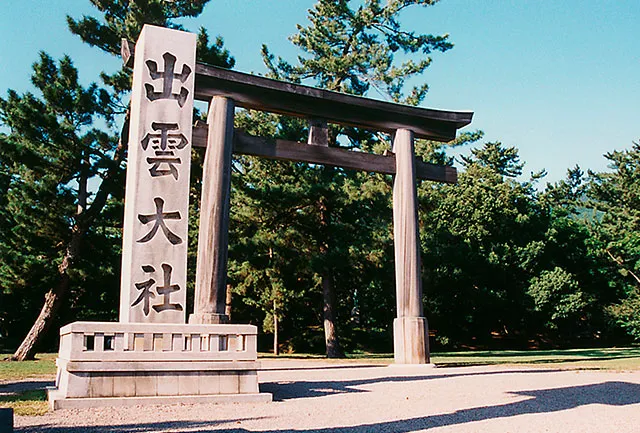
166	426
282	391
540	401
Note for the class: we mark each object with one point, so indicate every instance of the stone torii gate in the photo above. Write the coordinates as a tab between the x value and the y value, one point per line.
151	355
225	90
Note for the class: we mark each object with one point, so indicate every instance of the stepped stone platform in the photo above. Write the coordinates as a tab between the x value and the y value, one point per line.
123	364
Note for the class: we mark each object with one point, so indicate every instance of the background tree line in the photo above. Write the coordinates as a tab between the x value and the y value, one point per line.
507	262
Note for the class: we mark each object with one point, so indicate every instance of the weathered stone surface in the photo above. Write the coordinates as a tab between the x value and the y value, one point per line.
149	342
160	365
82	403
213	236
153	285
124	383
154	363
76	384
209	382
248	382
188	383
100	385
229	383
411	343
151	355
410	340
167	384
146	384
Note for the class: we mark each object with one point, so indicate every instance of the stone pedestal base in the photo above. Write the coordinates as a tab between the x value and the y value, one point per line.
117	364
83	403
410	340
138	383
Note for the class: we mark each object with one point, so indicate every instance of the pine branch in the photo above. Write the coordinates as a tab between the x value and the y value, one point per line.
108	183
620	263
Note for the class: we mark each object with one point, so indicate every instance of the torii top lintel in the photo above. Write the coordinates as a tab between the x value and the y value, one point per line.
260	93
255	92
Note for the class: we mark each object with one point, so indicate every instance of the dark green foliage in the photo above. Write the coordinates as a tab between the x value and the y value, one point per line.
311	230
62	178
616	197
481	240
557	294
505	263
353	49
48	156
124	19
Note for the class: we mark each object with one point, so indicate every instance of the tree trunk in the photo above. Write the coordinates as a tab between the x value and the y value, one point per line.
52	301
84	218
319	136
83	185
332	343
276	350
227	304
330	331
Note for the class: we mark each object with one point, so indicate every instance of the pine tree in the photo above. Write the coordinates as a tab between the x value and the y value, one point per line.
93	157
350	48
616	197
50	155
481	240
125	19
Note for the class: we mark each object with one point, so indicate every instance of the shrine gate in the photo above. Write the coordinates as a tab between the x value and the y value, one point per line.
152	354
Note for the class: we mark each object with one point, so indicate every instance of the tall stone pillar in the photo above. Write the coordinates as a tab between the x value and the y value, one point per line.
213	237
410	330
154	251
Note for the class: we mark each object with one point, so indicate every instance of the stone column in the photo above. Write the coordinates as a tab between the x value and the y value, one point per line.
154	251
213	237
410	334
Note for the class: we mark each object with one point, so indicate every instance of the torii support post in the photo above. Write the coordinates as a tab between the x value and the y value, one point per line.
213	236
410	329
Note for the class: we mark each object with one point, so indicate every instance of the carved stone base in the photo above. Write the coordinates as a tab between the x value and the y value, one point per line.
81	403
129	387
410	340
116	364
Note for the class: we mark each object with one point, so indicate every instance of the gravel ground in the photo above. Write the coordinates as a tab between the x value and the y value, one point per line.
312	396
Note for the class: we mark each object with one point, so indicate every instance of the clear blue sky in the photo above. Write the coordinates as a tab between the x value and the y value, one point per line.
560	80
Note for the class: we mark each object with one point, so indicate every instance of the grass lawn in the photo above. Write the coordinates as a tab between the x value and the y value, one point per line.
33	401
623	358
44	366
27	403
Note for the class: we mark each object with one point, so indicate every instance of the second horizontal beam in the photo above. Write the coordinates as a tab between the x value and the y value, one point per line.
293	151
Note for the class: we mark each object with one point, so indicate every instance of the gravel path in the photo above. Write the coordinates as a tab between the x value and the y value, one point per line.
319	397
